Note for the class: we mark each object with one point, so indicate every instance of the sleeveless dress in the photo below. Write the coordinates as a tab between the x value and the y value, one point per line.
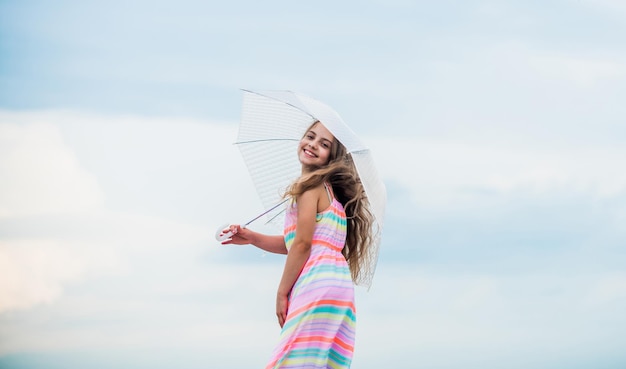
319	330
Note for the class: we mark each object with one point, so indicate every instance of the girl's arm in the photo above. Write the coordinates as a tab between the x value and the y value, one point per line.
300	250
245	236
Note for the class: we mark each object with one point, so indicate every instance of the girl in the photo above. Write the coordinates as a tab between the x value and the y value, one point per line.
326	236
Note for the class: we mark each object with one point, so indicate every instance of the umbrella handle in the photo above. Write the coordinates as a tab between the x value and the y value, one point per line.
220	236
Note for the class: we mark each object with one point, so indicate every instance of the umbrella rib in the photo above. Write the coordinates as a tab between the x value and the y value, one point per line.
279	100
266	140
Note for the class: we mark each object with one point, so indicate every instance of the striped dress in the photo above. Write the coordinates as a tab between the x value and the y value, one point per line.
320	326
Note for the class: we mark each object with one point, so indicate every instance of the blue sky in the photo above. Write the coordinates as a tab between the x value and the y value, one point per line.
499	130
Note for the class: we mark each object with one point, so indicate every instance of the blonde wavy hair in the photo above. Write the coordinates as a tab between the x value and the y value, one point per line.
342	175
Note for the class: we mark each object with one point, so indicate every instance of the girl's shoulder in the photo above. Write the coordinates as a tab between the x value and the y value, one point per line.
315	192
319	196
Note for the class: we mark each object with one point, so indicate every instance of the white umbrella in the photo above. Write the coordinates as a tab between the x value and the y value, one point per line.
272	124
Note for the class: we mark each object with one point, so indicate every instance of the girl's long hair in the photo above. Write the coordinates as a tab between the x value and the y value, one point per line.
342	175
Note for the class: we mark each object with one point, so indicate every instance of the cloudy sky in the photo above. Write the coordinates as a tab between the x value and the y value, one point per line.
499	129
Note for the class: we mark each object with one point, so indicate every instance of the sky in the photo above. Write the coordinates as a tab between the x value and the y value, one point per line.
499	129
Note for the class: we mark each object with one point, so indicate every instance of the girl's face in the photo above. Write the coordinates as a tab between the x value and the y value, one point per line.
315	147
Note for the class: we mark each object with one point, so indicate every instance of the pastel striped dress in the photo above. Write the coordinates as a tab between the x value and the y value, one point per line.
320	326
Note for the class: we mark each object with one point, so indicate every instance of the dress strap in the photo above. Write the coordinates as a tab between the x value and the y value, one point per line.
330	197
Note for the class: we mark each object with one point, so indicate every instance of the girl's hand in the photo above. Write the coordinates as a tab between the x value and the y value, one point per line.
241	236
282	303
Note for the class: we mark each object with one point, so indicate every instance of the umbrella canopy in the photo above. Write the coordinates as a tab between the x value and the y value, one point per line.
272	125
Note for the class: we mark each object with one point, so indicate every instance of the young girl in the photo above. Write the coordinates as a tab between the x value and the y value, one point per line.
326	236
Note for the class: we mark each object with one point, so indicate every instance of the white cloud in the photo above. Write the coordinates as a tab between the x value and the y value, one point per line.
448	173
482	318
212	309
612	6
150	275
59	229
607	289
220	309
580	71
42	175
34	272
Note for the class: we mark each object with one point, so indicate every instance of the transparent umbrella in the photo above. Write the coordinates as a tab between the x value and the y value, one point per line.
272	124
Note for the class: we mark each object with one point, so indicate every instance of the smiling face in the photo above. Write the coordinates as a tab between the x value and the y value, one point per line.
315	147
